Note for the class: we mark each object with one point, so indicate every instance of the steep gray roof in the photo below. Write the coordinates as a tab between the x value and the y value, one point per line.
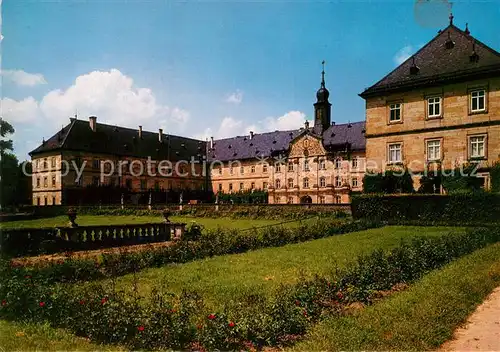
108	139
438	63
264	145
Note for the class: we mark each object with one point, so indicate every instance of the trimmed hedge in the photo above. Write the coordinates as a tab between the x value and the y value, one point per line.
467	208
208	244
181	322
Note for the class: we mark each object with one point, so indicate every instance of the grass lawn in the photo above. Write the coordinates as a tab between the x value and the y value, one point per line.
83	220
38	337
225	278
421	318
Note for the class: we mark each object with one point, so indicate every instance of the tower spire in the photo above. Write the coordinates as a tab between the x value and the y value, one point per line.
451	18
323	74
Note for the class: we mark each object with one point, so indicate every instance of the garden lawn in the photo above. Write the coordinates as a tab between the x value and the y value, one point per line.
38	337
83	220
227	278
421	318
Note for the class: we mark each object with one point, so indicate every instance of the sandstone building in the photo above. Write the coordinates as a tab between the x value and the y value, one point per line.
322	163
439	109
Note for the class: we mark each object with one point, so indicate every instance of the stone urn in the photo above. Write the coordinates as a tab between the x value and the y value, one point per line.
72	217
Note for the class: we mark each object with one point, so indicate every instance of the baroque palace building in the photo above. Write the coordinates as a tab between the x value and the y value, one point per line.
439	109
314	164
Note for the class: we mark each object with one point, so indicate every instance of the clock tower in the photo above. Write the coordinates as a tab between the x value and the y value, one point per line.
322	107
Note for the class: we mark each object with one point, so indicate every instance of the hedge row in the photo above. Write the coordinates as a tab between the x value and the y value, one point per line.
261	211
207	244
181	322
471	208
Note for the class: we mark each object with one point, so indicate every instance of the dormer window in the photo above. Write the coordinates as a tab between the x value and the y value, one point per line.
478	100
395	112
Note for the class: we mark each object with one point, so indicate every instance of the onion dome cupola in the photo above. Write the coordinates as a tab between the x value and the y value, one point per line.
322	107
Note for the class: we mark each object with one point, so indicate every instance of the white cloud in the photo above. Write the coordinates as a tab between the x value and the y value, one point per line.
22	78
406	52
231	127
235	98
291	120
22	111
109	95
403	54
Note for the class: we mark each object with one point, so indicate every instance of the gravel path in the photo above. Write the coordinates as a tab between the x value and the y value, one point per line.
482	330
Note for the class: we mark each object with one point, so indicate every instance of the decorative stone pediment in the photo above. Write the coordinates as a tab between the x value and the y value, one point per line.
306	146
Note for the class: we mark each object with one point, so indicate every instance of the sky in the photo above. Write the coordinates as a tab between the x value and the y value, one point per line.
207	68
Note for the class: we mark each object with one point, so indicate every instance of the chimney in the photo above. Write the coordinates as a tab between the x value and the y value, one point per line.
251	134
140	132
211	142
160	135
93	123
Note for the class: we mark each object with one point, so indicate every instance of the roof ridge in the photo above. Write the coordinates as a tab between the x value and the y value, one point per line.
72	123
477	41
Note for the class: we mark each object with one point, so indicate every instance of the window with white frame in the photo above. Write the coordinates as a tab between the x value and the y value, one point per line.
278	167
354	182
477	146
338	181
290	200
290	167
252	169
394	153
230	187
290	183
241	186
53	162
478	100
338	163
434	150
252	185
354	162
220	187
322	182
264	168
278	184
338	199
322	199
434	107
322	164
306	182
395	112
264	185
306	165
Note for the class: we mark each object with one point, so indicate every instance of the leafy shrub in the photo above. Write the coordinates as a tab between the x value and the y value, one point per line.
461	180
182	322
467	208
390	182
495	177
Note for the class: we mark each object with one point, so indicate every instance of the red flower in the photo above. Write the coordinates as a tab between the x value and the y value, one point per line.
231	324
27	276
82	302
199	326
173	310
41	304
104	300
340	295
140	328
4	302
297	302
305	313
211	316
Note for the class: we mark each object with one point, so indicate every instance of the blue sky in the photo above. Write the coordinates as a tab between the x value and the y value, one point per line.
203	68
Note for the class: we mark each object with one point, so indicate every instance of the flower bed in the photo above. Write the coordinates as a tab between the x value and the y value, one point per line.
104	314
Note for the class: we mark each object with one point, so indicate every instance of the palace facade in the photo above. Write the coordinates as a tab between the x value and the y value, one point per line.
439	109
